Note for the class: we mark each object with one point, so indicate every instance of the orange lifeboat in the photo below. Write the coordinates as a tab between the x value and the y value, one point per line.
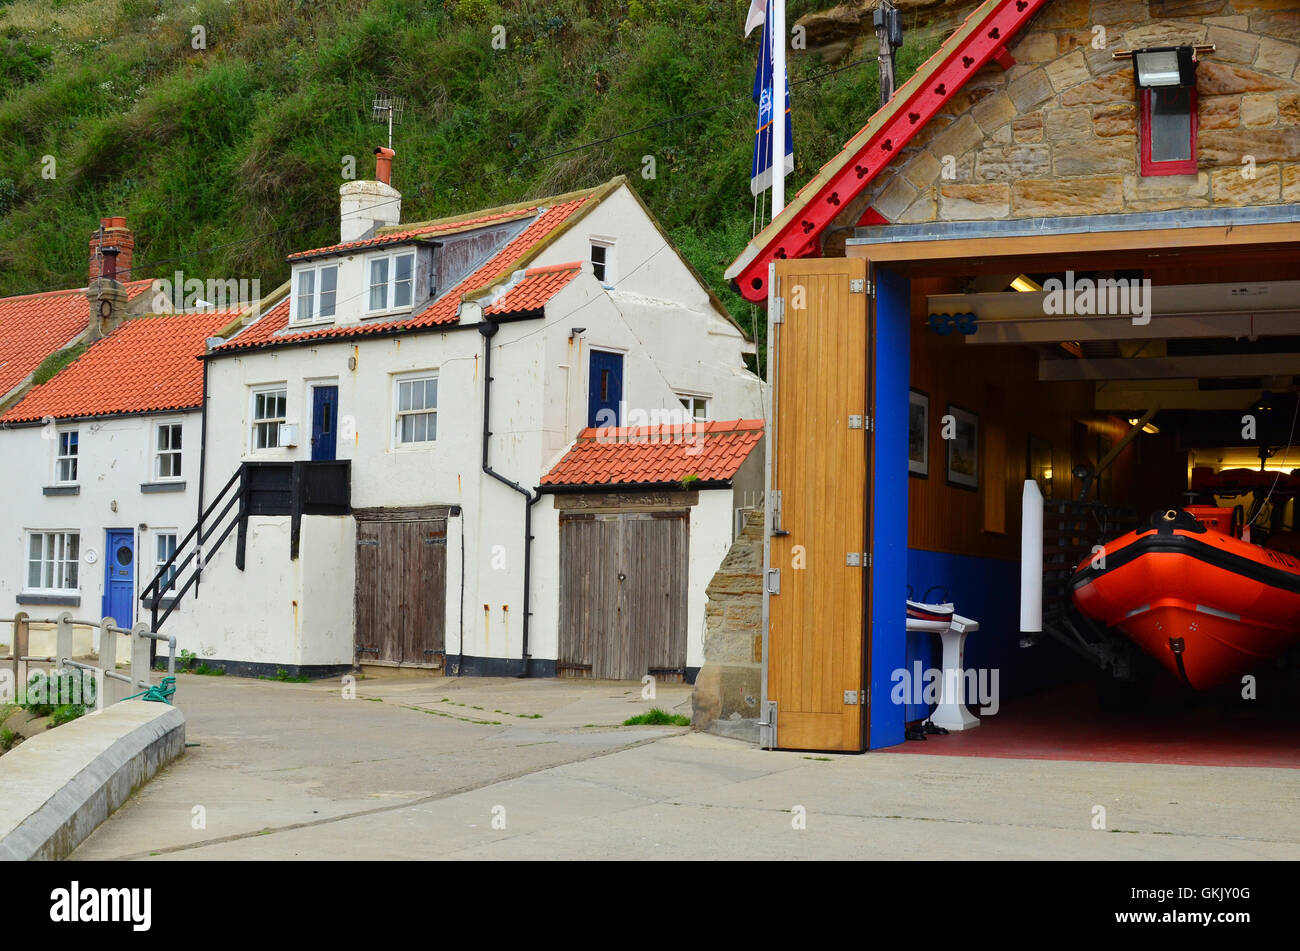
1206	605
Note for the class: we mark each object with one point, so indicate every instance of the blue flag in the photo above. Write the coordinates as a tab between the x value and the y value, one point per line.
760	175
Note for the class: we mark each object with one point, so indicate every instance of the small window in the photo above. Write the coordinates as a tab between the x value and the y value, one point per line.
167	451
52	561
417	409
317	293
269	408
697	407
66	467
602	254
164	549
391	283
1168	130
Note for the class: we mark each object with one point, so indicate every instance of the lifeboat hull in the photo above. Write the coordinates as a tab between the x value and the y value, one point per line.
1207	606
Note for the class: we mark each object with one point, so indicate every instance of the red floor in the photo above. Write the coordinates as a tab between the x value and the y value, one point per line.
1175	728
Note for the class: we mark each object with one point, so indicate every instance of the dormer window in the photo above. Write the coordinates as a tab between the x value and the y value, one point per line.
316	293
391	282
1166	89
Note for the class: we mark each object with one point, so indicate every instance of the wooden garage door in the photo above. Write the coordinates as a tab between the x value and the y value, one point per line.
816	632
623	579
401	591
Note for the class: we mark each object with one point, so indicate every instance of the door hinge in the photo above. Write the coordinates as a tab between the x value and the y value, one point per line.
776	513
778	310
774	581
855	422
859	285
853	559
850	698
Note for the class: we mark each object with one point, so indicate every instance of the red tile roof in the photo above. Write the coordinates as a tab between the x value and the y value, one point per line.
269	329
641	455
36	325
399	235
538	286
148	364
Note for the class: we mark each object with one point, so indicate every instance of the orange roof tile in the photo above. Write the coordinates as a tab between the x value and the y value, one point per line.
36	325
148	364
644	455
537	287
270	329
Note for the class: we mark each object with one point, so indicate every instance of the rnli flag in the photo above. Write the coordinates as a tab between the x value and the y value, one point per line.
760	176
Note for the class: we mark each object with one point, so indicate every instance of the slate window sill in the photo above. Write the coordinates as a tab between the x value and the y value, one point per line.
149	487
72	600
62	490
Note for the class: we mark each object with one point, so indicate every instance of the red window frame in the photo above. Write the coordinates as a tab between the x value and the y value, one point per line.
1174	167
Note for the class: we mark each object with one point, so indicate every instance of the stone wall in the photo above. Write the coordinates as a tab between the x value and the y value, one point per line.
729	685
1057	134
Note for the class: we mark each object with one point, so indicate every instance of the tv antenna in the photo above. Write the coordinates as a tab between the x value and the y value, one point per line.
388	109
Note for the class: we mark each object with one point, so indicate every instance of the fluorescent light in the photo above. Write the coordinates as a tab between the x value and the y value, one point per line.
1151	428
1158	68
1022	283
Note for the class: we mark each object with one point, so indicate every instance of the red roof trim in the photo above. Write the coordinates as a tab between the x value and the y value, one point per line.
800	236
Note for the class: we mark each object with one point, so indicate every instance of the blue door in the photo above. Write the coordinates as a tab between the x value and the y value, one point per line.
324	422
605	389
119	576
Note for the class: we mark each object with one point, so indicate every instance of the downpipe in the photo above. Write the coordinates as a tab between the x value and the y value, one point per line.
489	328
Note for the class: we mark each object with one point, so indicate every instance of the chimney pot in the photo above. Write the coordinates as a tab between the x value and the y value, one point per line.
384	165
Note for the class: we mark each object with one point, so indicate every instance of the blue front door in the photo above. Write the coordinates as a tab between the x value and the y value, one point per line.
119	577
324	422
605	388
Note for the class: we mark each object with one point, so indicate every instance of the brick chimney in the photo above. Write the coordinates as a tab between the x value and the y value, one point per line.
111	249
365	206
113	233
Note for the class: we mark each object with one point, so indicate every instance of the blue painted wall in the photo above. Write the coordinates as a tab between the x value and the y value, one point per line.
889	504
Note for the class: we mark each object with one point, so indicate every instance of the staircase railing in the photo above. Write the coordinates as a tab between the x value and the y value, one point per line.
163	585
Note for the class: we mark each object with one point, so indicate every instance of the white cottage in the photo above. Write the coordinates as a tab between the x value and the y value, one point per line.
101	463
376	442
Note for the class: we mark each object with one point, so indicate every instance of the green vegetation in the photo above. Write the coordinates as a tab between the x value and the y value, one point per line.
55	362
239	148
283	676
658	717
8	739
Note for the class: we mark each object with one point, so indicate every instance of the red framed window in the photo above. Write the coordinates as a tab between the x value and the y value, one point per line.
1167	130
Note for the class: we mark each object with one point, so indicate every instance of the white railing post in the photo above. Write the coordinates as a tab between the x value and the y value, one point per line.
62	640
139	658
107	661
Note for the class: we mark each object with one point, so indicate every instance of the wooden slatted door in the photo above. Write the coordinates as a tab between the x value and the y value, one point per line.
401	591
816	630
623	586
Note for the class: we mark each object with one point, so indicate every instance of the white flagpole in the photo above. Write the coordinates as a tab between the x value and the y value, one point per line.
778	110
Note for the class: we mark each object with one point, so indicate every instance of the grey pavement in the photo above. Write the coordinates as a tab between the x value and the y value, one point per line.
466	769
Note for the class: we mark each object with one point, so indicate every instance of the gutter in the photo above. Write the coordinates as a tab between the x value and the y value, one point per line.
488	329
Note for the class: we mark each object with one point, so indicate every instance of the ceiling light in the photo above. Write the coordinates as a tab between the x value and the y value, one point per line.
1022	283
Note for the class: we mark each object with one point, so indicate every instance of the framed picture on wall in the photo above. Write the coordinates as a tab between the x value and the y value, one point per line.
963	448
918	434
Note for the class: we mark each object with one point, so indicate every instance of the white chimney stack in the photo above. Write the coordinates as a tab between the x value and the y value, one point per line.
365	206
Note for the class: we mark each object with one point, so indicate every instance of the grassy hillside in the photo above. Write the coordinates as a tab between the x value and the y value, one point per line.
225	159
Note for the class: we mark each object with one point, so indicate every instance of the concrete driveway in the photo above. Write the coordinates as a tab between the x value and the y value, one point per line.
492	768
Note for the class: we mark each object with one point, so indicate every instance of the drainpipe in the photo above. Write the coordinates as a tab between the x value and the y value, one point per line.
488	329
203	455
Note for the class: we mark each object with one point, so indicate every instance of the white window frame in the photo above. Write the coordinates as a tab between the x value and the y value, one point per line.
609	276
160	559
254	421
697	397
54	565
390	285
158	452
73	458
399	414
317	272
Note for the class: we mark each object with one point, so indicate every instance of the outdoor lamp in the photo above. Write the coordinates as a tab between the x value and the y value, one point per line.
1164	66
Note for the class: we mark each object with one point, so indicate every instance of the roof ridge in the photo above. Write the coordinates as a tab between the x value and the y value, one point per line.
544	202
